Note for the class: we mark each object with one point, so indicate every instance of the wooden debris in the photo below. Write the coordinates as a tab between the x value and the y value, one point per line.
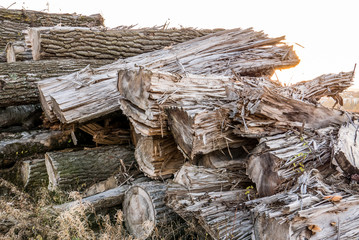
79	169
27	116
144	209
207	195
13	22
17	51
107	136
33	173
214	50
15	146
18	80
158	157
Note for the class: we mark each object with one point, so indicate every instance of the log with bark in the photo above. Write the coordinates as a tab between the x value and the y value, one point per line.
278	160
106	135
13	22
112	44
33	174
312	210
15	146
214	198
144	209
18	80
208	54
27	116
17	51
158	157
75	170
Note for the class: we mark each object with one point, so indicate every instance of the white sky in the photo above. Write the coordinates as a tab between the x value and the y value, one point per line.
328	30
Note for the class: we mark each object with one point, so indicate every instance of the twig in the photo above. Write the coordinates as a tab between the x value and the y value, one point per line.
11	5
181	66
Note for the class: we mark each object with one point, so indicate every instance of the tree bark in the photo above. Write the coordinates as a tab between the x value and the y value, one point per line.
90	43
13	22
208	54
158	157
144	209
18	80
17	51
15	146
27	116
33	174
212	197
346	150
79	169
278	160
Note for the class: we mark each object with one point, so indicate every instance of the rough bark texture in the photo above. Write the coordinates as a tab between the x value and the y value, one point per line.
78	169
278	160
144	209
208	54
158	157
311	210
91	43
27	116
211	197
13	22
15	146
18	80
33	174
346	150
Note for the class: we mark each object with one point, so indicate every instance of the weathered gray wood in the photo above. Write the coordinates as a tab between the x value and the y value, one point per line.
34	174
15	146
278	160
76	170
18	80
13	22
17	51
308	211
144	209
158	157
212	197
208	54
112	44
25	115
346	150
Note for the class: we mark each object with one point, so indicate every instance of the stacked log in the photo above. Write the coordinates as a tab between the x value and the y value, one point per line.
13	22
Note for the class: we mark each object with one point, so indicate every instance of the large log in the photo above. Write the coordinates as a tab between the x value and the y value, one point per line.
34	174
27	116
15	146
212	197
144	209
312	210
112	44
76	170
278	160
13	22
208	54
158	157
18	80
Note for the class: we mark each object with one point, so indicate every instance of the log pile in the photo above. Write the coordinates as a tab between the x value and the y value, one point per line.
187	124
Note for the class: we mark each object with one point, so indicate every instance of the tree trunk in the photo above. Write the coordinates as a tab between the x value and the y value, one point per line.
103	200
27	116
89	43
278	160
18	80
211	197
144	209
346	150
158	157
208	54
13	22
15	146
79	169
17	51
33	174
